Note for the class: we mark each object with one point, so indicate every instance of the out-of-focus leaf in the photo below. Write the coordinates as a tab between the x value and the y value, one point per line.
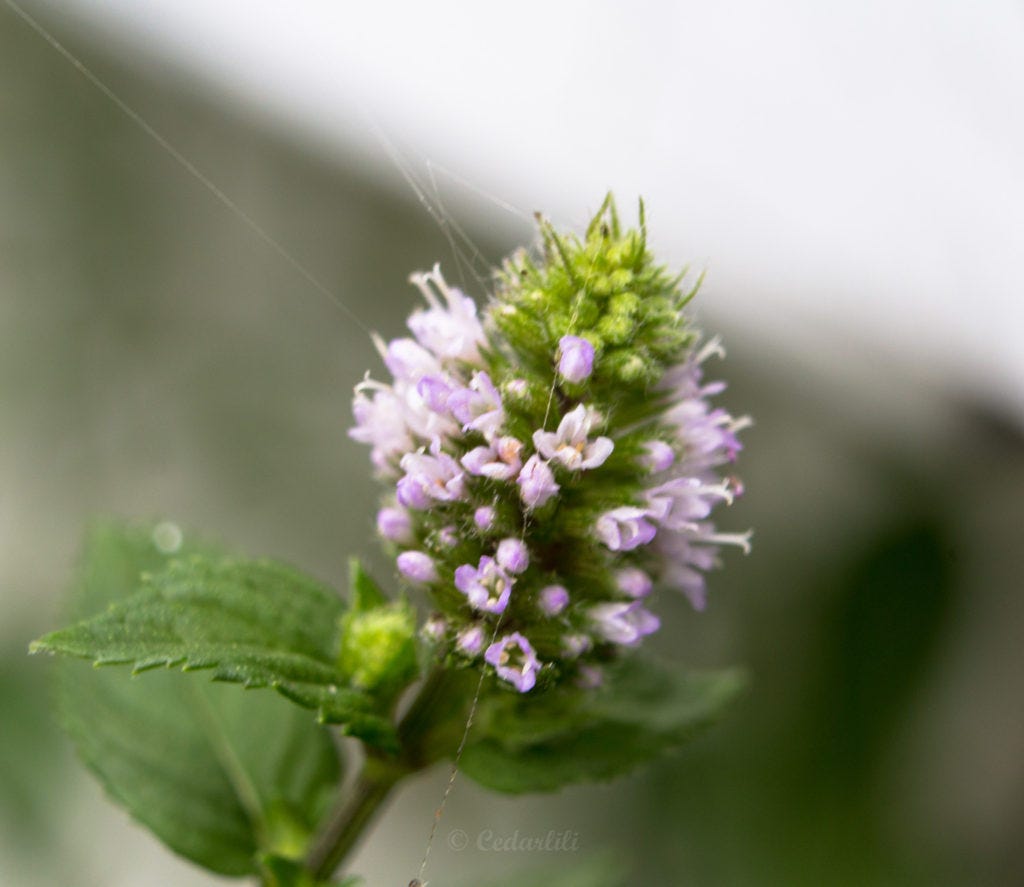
216	773
644	710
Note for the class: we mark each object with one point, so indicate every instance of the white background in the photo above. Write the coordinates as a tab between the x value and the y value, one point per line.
851	175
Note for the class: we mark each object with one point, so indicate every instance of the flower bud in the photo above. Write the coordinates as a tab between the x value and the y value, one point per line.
576	359
377	651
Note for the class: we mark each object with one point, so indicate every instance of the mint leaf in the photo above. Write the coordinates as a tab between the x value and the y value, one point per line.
569	736
217	774
260	624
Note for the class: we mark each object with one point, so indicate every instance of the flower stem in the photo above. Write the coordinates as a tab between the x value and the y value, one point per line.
423	733
350	818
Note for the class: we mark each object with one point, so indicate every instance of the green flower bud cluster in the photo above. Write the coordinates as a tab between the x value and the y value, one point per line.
606	288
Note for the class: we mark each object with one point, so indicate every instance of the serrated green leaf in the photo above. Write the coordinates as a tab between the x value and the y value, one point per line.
217	774
569	736
260	624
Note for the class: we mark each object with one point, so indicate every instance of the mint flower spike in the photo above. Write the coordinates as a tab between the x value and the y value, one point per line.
553	460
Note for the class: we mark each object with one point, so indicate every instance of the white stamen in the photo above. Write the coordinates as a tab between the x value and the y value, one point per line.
379	344
712	348
740	540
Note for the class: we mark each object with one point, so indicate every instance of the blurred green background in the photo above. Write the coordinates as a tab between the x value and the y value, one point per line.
157	359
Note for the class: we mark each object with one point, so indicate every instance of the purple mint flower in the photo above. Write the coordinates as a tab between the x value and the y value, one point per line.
553	599
569	444
576	358
513	556
624	624
395	524
589	677
478	407
576	645
452	331
437	477
416	566
483	517
407	360
448	537
659	456
392	419
434	628
471	639
688	555
422	420
435	391
500	460
682	501
624	528
380	422
708	436
486	586
515	661
633	582
536	482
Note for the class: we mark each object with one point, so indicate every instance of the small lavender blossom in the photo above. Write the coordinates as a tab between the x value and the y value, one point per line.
633	582
483	517
553	599
451	331
486	586
435	390
625	528
500	460
569	444
437	477
682	501
417	566
575	645
688	556
576	359
659	456
407	360
471	639
448	537
624	624
513	555
515	661
381	423
395	525
478	406
434	628
536	482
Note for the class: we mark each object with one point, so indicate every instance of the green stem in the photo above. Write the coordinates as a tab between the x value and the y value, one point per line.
381	773
352	815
